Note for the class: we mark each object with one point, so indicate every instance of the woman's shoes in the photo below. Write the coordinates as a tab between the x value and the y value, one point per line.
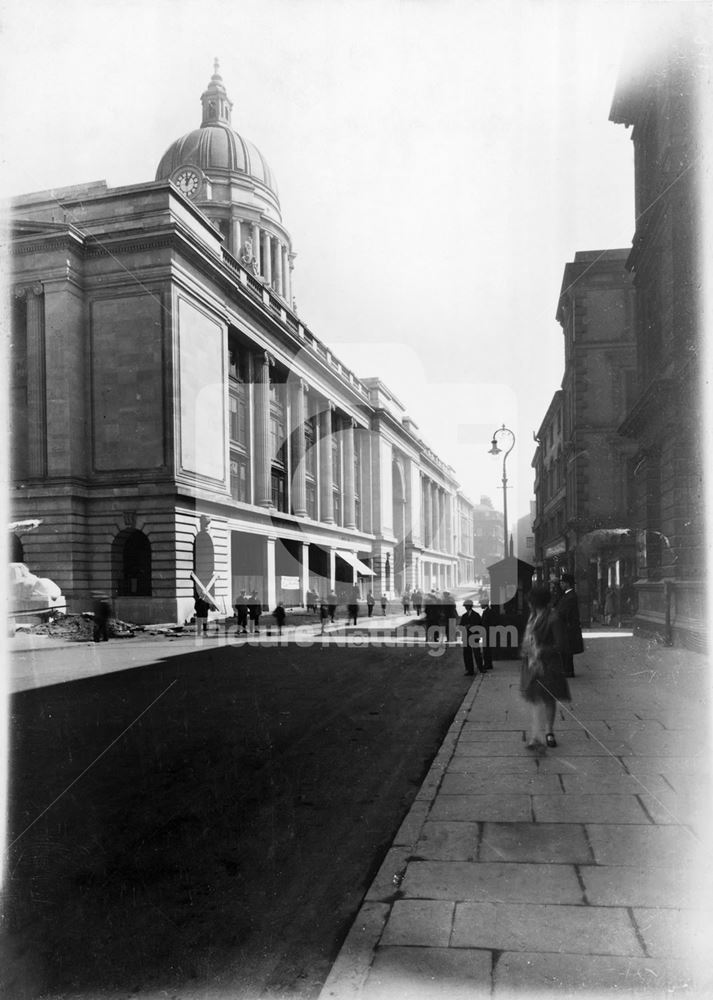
550	740
535	746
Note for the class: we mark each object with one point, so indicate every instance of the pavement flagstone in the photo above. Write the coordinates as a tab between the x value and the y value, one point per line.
586	871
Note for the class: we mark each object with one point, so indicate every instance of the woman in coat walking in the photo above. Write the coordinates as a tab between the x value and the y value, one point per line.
542	678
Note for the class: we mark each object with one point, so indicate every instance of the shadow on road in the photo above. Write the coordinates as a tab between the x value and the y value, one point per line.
214	817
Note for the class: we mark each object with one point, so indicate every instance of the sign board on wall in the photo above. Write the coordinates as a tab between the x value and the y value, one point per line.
290	582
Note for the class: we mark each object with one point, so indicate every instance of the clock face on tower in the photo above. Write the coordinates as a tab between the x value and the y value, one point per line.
187	181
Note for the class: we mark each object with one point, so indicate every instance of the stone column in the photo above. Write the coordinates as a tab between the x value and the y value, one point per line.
439	517
257	248
251	409
271	595
267	259
285	274
263	459
236	238
452	547
299	487
427	515
287	410
36	380
441	520
278	269
348	492
434	515
332	568
304	571
290	281
325	464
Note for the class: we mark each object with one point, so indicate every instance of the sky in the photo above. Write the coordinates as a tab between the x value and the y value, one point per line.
438	164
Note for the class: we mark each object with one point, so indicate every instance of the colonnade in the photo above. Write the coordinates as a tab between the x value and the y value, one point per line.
272	257
437	516
300	404
440	576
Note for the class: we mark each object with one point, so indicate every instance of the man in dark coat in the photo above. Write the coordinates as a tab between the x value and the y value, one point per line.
449	613
490	618
102	614
323	615
471	623
254	611
241	613
202	607
279	614
568	613
332	601
353	605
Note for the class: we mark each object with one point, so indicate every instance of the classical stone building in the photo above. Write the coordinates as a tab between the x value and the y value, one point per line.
173	416
660	98
465	540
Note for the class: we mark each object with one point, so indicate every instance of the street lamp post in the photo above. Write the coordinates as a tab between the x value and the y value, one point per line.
497	451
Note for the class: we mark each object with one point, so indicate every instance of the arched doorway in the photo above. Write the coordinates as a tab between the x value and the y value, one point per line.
131	564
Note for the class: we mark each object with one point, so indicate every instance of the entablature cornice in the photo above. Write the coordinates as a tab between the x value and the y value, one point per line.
66	238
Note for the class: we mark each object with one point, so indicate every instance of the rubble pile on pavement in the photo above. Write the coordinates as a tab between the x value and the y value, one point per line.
80	628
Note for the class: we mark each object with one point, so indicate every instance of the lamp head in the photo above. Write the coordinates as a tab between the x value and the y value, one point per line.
494	450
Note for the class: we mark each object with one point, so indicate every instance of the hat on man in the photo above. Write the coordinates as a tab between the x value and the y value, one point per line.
468	603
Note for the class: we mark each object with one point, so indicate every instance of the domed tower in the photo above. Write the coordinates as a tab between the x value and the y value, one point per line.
229	179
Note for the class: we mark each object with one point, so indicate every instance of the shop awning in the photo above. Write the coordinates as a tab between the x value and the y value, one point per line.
353	560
